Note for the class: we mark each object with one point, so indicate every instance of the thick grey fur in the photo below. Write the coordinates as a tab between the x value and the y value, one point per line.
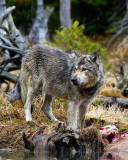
53	70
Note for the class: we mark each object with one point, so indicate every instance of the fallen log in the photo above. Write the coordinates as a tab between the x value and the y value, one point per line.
113	100
8	76
12	68
65	141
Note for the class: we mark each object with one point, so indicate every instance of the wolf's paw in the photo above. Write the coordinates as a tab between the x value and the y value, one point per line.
61	126
31	123
71	128
28	119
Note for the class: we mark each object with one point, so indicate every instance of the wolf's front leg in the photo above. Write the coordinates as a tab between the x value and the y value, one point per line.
82	112
72	115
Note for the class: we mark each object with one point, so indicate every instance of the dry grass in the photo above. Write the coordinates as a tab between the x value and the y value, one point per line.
7	111
121	52
112	115
13	113
13	124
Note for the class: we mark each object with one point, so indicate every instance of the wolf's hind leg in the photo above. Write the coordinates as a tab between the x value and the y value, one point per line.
46	107
31	92
27	106
82	112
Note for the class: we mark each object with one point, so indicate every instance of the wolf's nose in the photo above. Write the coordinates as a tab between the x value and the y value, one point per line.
74	81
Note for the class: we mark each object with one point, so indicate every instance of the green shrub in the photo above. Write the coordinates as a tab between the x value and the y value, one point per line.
73	39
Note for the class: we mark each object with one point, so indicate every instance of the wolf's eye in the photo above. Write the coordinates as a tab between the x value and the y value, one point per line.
84	69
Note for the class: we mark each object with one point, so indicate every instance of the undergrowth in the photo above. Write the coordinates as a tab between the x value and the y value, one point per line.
72	38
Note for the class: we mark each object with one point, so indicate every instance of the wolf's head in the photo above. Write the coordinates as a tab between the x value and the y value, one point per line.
86	72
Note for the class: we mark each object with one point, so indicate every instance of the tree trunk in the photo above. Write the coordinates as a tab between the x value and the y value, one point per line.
65	13
38	33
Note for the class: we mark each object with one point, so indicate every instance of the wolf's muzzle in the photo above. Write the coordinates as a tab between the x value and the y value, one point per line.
74	81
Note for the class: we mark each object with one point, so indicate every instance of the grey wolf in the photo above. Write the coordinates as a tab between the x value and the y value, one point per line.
62	75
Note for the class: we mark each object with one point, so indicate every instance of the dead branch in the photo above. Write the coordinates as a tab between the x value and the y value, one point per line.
5	29
16	50
10	60
4	16
16	36
12	68
8	76
6	41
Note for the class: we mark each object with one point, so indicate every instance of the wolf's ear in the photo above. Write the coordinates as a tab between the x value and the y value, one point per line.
94	56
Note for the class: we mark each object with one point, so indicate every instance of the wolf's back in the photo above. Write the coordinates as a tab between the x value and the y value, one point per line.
47	64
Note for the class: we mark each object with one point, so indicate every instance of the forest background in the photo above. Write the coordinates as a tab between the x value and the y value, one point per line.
97	16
